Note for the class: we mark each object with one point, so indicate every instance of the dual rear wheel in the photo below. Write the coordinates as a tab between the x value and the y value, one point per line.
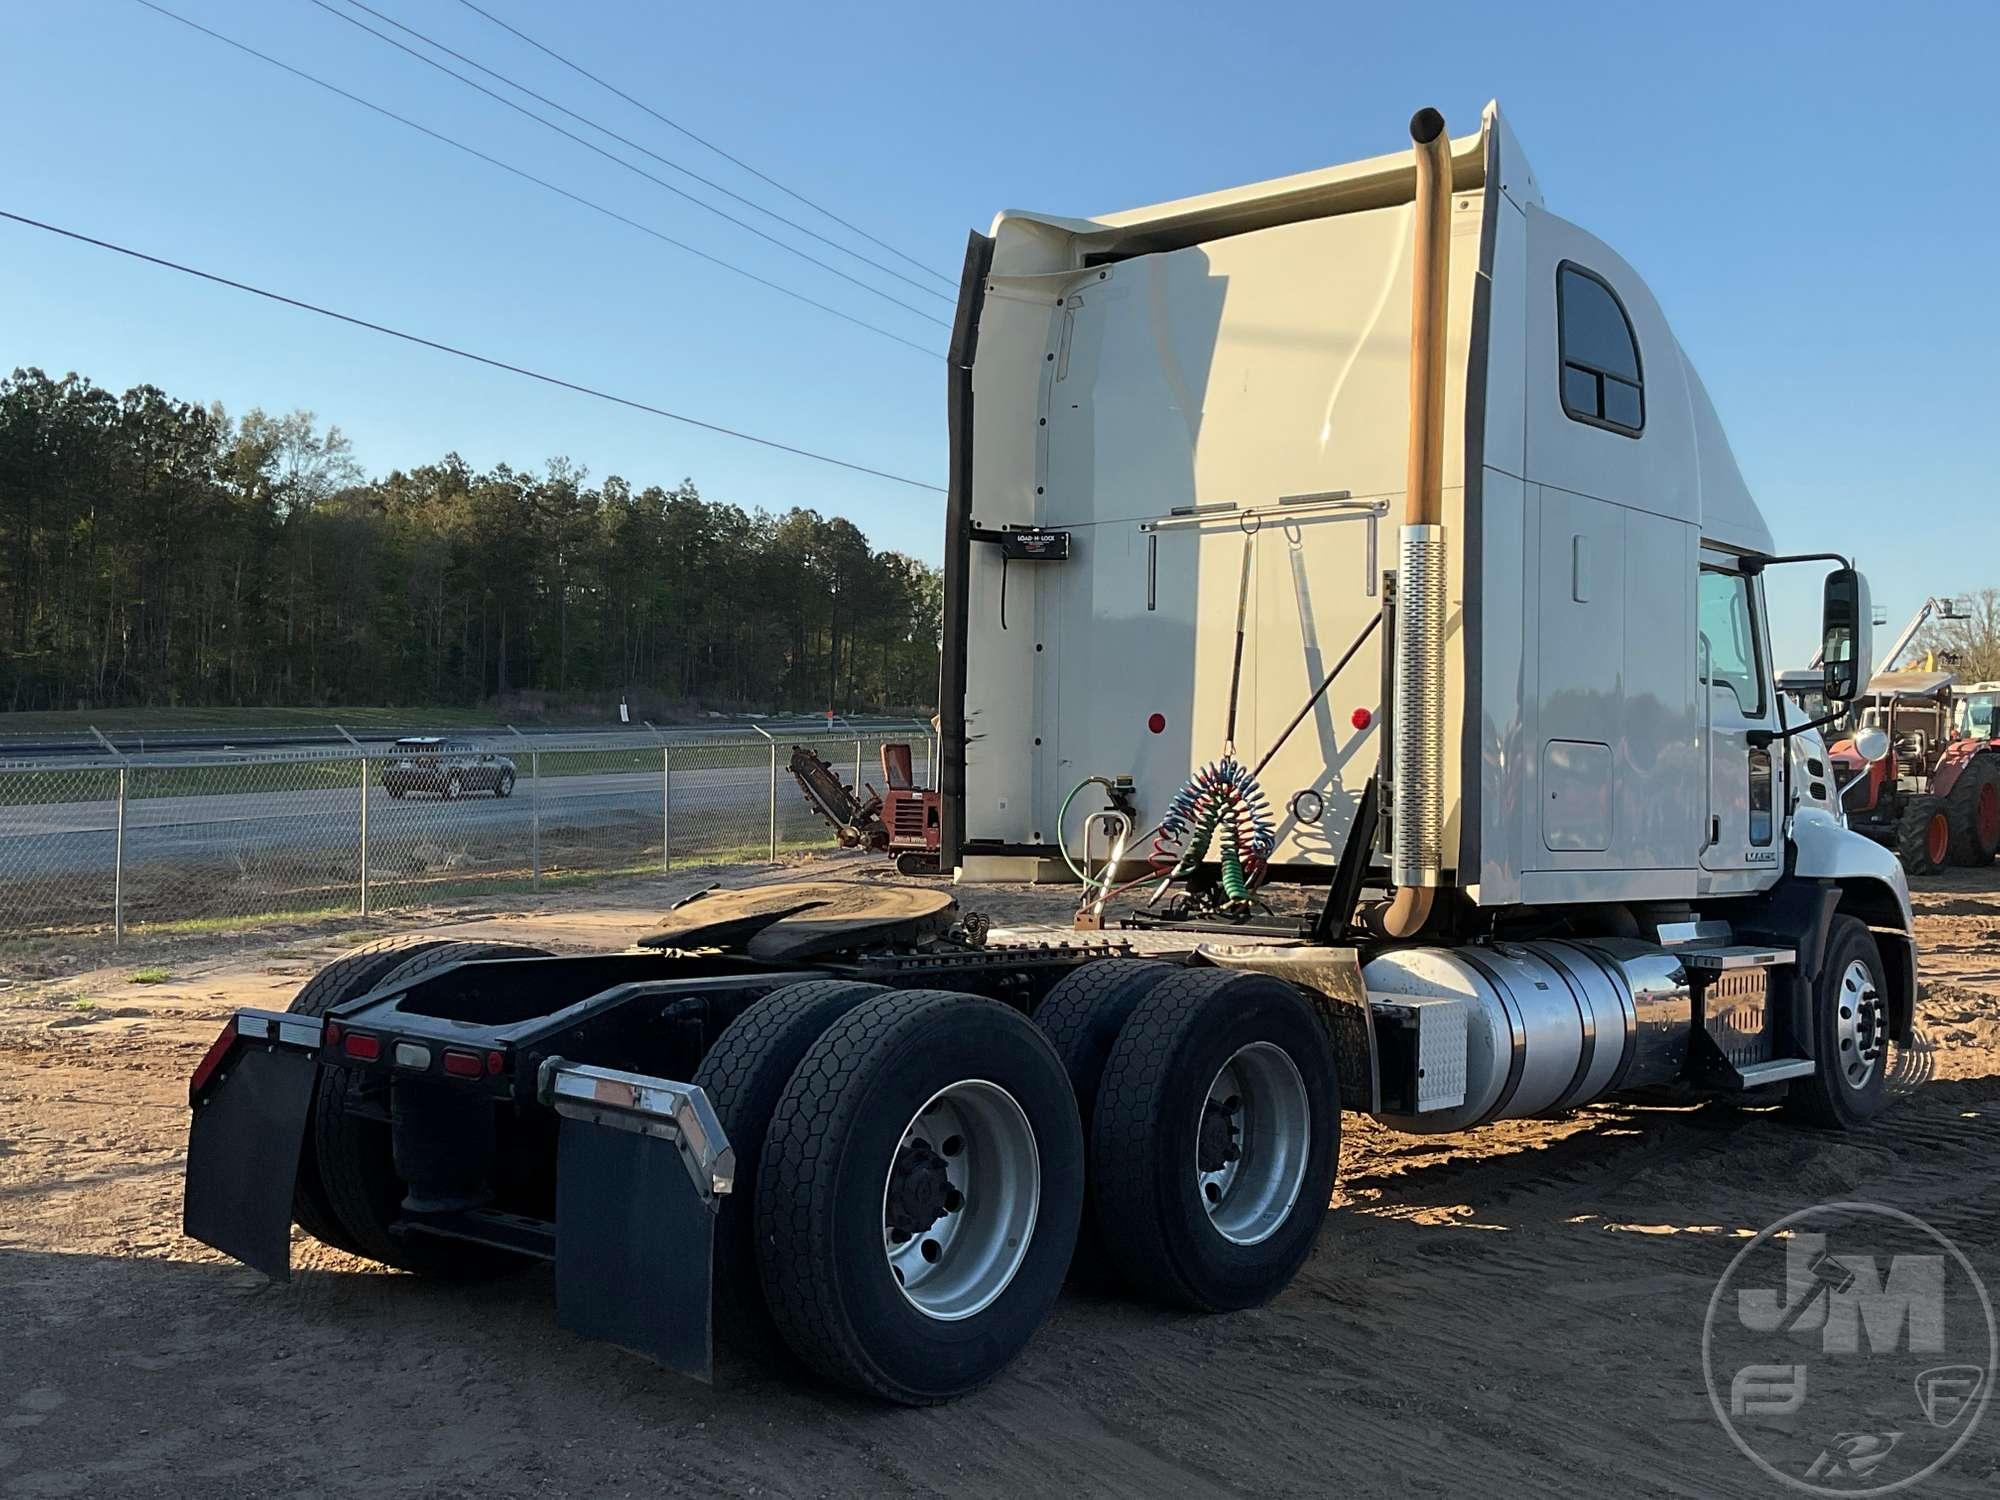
912	1165
909	1179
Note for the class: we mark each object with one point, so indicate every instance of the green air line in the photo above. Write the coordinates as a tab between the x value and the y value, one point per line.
1234	884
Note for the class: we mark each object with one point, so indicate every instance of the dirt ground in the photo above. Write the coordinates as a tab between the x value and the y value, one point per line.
1515	1311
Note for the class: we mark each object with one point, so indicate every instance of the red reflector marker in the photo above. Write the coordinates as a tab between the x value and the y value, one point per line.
496	1063
462	1064
1361	718
1157	723
331	1036
212	1059
362	1048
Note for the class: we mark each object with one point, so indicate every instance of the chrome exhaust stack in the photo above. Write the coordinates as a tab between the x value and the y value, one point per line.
1417	751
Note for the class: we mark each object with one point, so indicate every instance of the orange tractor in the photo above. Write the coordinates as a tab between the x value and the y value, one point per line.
1935	797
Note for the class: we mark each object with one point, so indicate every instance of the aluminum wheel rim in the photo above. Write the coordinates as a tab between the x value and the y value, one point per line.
967	1256
1858	1025
1252	1138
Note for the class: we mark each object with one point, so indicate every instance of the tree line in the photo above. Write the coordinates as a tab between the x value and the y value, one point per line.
156	551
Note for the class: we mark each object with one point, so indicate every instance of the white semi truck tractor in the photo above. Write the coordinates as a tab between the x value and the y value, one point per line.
1349	588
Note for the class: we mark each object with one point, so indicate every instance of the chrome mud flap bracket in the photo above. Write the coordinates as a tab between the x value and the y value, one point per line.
640	1166
250	1098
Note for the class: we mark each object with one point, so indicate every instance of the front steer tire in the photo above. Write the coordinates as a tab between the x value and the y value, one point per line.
841	1132
1153	1138
744	1076
356	1159
1838	1095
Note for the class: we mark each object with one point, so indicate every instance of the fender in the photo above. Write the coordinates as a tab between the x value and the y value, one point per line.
1872	887
1952	762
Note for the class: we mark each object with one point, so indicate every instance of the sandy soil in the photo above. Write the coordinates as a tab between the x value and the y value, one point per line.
1517	1310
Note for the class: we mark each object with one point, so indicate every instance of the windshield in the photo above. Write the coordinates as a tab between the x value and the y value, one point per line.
1976	715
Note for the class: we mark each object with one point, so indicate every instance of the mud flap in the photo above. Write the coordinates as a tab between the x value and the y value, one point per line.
243	1145
639	1165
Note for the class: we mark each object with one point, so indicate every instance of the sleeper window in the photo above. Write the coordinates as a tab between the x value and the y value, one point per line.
1602	381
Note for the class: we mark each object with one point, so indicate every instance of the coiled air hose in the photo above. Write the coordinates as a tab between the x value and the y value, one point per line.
1221	799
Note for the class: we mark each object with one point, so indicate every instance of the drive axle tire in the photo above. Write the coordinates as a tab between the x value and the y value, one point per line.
346	978
356	1158
1083	1015
504	787
919	1195
1974	806
744	1076
1215	1139
1850	1022
1923	836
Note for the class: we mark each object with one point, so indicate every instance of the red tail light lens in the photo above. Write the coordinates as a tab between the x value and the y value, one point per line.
361	1047
463	1064
496	1063
212	1059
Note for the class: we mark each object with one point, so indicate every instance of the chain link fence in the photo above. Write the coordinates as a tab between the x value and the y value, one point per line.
121	845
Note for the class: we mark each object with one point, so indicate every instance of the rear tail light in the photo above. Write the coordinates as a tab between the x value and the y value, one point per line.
212	1060
496	1063
361	1047
463	1064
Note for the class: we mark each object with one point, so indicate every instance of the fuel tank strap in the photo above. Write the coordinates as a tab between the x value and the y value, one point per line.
1517	1062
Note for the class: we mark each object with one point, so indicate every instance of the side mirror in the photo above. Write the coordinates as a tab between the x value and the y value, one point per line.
1845	636
1871	745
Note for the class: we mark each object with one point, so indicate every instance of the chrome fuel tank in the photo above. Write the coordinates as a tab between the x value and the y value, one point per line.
1547	1026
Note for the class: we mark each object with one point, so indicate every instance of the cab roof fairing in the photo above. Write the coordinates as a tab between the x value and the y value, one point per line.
1028	245
1031	244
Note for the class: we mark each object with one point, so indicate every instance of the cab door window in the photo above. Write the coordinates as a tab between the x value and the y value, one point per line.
1729	627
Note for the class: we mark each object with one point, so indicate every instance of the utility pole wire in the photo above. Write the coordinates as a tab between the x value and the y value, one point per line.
527	176
609	156
706	143
627	141
480	359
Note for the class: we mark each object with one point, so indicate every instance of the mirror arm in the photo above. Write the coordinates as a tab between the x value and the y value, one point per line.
1755	565
1763	739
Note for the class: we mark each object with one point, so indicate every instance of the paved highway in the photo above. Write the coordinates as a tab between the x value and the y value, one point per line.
712	807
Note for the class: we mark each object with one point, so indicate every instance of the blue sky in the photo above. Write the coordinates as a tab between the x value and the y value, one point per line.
1801	187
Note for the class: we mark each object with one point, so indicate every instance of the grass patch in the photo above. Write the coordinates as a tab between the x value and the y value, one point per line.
152	974
84	1003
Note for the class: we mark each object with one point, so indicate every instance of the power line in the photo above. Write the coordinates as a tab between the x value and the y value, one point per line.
609	156
527	176
704	142
644	150
481	359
